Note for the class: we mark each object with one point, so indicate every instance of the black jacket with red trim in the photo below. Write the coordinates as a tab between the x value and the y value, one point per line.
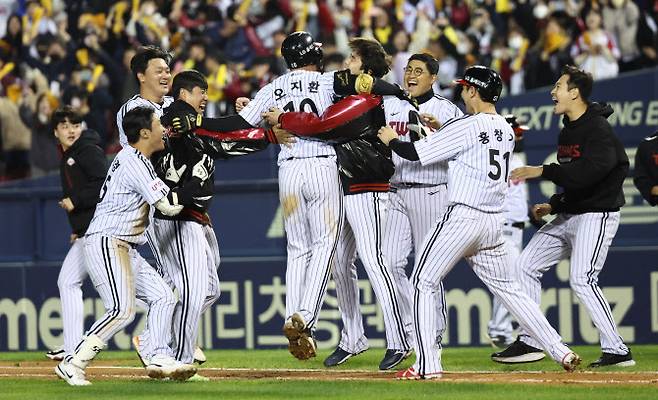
592	165
82	170
364	162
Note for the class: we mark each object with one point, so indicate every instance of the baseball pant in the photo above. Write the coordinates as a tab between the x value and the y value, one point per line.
466	232
312	201
121	275
69	282
190	257
501	319
586	239
412	214
365	214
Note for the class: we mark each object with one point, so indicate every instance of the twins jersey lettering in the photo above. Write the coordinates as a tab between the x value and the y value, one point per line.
137	101
485	143
130	186
397	115
306	91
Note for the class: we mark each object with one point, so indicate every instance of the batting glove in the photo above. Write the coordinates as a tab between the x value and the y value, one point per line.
204	168
186	123
172	174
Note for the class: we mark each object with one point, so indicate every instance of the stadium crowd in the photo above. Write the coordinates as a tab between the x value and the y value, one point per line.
77	52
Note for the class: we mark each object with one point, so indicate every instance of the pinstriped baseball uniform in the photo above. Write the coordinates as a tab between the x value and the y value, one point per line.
119	273
69	282
418	196
478	149
309	190
516	211
585	238
137	101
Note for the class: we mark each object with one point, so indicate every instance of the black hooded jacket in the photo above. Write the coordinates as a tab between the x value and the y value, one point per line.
592	165
82	170
645	174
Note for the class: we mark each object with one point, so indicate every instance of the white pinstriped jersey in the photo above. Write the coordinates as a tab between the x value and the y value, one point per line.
298	90
478	149
137	101
516	202
130	186
397	115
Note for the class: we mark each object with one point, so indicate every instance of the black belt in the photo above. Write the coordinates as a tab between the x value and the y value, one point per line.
520	225
410	185
303	158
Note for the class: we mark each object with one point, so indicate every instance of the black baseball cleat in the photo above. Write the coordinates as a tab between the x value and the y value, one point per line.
56	354
518	352
338	357
392	358
614	360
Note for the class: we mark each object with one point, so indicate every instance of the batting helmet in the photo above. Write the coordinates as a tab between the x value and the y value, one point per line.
299	49
485	80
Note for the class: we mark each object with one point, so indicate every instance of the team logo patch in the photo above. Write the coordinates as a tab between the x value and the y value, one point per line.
70	161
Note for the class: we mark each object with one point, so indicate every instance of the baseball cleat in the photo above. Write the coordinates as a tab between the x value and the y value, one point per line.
162	366
338	357
199	356
501	341
392	358
73	375
135	341
301	343
56	354
410	374
198	378
518	352
571	361
614	360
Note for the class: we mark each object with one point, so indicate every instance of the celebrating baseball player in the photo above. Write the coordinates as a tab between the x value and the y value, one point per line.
309	186
82	171
117	270
478	148
365	167
516	214
592	166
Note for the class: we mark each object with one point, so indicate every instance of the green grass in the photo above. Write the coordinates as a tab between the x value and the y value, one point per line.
454	359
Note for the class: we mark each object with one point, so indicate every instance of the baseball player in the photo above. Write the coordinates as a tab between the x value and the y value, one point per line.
309	186
188	246
365	167
150	67
645	175
478	148
117	270
516	214
592	166
418	192
82	172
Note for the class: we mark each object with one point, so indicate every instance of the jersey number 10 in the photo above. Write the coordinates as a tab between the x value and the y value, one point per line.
493	161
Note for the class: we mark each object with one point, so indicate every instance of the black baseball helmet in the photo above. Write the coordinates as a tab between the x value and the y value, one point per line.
486	80
299	49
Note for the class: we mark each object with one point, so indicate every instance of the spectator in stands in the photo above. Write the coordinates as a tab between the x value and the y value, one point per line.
12	40
595	50
44	155
621	19
16	141
550	54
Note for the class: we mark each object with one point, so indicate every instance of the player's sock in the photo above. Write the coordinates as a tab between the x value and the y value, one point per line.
87	350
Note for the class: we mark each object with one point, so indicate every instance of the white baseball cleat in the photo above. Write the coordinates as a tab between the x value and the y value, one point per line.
73	375
571	361
162	366
199	356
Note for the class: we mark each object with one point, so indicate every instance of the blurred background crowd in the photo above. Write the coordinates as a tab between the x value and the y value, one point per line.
77	52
